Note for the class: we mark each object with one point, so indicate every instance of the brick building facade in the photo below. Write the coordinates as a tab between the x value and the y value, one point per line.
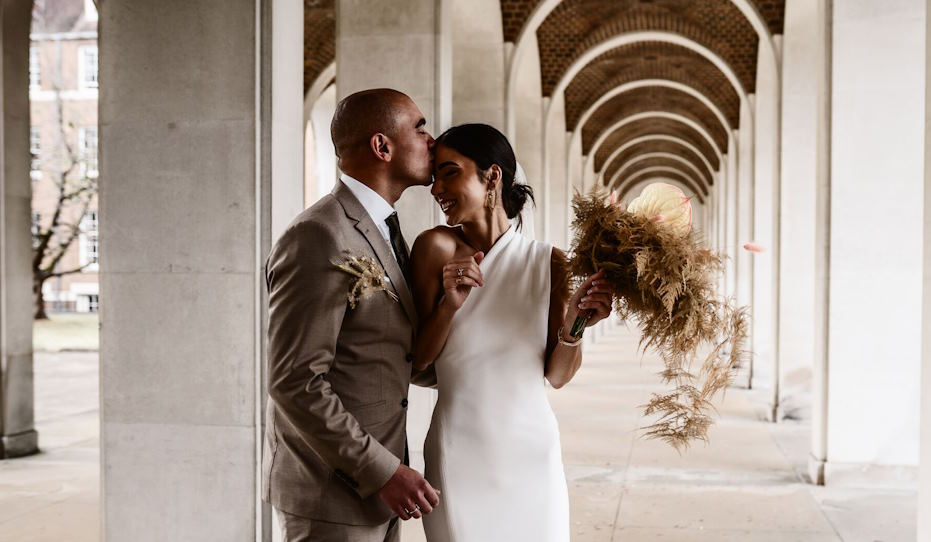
63	69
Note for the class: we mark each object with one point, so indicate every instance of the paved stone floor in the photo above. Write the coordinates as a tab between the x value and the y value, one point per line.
746	485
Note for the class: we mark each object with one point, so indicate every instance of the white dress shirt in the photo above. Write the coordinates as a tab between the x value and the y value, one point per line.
375	205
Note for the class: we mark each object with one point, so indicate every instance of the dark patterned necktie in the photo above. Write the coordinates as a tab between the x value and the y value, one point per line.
397	245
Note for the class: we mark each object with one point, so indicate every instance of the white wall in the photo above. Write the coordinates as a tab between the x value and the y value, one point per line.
876	224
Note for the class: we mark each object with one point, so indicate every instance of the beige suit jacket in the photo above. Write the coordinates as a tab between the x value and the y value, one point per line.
338	378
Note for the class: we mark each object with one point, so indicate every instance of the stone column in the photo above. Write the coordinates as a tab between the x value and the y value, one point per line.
875	265
734	171
185	206
802	45
528	115
17	433
478	63
924	482
765	117
555	159
406	45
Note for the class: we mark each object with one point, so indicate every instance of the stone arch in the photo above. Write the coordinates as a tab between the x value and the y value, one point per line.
675	65
678	181
586	115
632	37
521	20
624	185
319	39
654	99
671	151
654	115
645	161
675	142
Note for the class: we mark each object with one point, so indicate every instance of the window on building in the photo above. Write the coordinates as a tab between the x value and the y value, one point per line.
87	66
34	80
93	303
87	139
89	242
35	149
36	226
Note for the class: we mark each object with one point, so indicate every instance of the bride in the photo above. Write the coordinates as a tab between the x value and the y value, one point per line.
495	315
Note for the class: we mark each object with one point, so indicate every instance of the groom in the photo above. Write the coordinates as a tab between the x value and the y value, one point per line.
335	454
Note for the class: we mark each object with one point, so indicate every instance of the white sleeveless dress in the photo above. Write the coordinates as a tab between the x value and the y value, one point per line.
493	445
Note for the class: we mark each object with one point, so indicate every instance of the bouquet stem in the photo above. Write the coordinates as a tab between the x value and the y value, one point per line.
579	325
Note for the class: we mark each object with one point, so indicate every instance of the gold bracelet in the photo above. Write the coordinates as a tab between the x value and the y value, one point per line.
565	342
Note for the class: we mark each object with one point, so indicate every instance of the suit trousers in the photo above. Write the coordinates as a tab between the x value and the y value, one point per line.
301	529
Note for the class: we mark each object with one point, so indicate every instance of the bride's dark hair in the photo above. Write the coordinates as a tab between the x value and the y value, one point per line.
486	146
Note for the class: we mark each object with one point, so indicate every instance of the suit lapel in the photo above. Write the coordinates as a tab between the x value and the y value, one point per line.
382	250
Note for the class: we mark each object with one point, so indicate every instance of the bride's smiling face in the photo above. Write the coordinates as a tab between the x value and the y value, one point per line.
458	186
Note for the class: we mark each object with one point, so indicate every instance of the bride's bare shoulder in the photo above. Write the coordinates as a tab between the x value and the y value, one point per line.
439	242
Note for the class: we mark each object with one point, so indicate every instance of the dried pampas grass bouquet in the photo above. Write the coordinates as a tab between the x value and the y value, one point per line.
664	277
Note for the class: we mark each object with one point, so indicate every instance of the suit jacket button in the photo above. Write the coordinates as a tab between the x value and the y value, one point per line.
404	403
409	358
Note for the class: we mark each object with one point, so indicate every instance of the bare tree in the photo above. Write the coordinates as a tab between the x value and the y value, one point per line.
76	191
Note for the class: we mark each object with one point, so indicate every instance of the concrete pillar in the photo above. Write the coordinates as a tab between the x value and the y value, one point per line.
730	215
924	482
320	171
822	54
287	129
478	63
803	44
873	384
574	164
413	37
17	431
185	131
528	115
555	160
765	217
721	217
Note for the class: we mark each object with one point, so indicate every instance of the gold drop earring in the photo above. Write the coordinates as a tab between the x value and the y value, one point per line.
491	199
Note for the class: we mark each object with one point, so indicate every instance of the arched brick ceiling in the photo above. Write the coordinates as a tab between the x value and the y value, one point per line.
654	162
644	127
774	13
651	99
515	13
650	60
575	26
648	147
685	181
319	38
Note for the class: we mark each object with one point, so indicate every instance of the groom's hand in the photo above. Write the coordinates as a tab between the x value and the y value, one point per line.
408	494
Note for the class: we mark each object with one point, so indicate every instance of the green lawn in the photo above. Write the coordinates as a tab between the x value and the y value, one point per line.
69	331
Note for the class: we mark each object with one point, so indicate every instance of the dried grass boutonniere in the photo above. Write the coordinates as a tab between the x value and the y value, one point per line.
370	278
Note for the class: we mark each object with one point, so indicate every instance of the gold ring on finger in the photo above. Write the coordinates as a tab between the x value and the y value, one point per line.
459	272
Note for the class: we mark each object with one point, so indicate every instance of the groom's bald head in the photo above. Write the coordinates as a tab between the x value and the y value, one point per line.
361	115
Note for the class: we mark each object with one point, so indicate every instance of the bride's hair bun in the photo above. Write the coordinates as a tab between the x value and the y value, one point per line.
486	146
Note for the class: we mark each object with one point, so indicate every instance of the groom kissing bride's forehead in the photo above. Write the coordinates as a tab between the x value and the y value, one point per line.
335	460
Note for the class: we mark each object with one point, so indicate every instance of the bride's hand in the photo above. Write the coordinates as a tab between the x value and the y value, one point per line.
460	276
595	295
